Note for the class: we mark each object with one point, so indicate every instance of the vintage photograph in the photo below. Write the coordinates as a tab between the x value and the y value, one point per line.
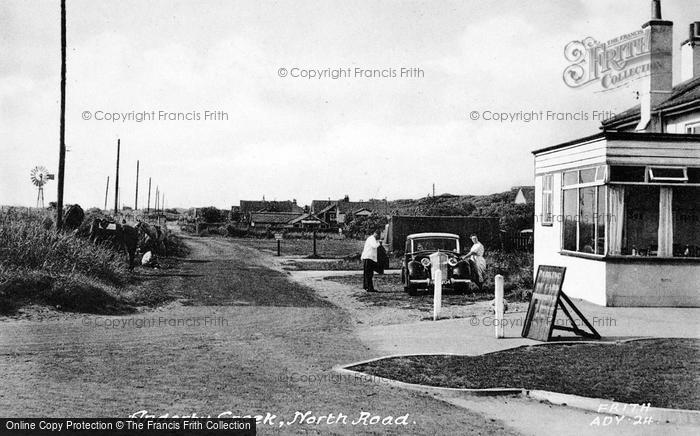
403	217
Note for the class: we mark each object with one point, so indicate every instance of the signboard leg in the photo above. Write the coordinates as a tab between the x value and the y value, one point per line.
499	305
437	296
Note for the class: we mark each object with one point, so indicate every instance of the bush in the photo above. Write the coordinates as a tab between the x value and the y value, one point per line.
362	226
516	269
212	215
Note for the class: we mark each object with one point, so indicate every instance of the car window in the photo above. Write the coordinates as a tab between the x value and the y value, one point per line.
432	244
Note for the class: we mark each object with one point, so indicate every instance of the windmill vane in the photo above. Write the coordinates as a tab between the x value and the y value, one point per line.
39	176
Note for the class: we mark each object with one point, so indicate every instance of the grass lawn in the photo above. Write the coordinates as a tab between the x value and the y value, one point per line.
328	248
663	372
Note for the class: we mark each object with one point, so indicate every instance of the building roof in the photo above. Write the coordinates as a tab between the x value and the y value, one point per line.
628	136
320	206
272	217
684	96
306	217
528	193
249	206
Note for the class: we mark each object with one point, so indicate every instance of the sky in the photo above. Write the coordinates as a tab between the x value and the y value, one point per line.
302	138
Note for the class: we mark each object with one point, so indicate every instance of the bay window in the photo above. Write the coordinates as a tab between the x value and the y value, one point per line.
632	211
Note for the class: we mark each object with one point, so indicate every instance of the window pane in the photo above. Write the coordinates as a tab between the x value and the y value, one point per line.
641	219
547	182
600	221
586	226
600	174
588	176
686	221
546	207
626	174
570	178
570	218
668	172
547	199
693	175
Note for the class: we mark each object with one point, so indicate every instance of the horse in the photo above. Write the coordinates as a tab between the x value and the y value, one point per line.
119	236
151	238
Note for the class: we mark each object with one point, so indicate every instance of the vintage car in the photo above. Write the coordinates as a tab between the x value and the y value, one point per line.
416	272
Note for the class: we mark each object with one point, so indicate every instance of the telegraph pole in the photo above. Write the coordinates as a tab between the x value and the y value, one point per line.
148	206
62	128
116	182
106	193
136	200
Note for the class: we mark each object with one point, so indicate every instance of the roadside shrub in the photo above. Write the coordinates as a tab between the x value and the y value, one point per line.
362	226
516	269
213	215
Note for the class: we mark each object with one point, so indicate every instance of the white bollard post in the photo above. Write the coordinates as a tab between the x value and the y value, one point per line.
437	295
499	305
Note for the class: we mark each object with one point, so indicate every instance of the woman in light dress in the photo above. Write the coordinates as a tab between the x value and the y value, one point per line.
476	254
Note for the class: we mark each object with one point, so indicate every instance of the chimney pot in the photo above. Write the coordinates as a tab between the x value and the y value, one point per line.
690	53
656	10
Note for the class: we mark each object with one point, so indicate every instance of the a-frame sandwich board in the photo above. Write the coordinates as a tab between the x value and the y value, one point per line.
547	297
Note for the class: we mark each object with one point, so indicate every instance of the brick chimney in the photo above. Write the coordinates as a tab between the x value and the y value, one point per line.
690	53
657	86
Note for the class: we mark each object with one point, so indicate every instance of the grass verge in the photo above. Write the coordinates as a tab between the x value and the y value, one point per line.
39	265
657	371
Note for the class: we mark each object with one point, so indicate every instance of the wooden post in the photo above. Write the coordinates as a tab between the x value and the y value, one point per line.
498	306
148	206
106	193
314	243
136	200
116	182
62	126
278	248
437	294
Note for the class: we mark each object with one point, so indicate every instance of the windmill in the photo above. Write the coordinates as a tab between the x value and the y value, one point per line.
39	176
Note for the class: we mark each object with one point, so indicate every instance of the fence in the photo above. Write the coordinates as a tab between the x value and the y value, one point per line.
518	242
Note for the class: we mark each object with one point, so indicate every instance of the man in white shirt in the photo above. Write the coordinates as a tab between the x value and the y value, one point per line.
369	260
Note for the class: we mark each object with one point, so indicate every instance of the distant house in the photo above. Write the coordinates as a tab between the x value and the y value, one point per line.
272	220
306	221
525	195
339	212
247	207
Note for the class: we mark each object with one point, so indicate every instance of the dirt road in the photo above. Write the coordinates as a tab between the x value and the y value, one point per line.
240	339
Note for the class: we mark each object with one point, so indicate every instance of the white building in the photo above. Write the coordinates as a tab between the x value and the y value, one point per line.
621	209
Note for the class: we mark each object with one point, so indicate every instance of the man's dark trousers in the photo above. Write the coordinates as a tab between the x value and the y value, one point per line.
368	267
